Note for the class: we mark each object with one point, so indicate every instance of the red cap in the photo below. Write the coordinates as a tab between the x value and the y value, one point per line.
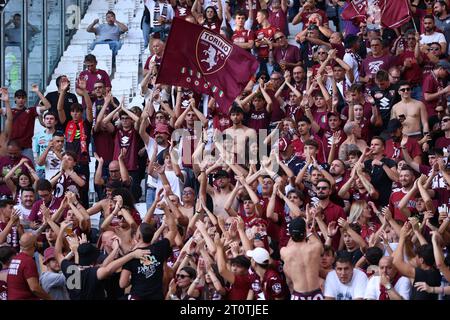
49	254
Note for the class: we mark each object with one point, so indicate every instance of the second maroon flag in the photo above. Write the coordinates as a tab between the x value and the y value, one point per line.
198	58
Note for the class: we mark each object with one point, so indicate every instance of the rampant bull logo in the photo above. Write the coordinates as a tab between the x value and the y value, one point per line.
212	52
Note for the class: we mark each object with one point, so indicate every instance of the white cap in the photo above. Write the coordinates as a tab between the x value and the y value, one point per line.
260	255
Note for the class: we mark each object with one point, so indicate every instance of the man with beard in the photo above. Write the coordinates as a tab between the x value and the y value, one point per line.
117	173
220	193
406	179
413	111
331	211
155	149
52	280
382	169
27	199
8	162
301	259
399	142
298	74
389	285
379	60
442	18
431	35
41	140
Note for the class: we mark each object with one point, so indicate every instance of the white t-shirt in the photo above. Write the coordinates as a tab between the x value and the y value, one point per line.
348	59
353	290
435	37
403	288
52	165
152	182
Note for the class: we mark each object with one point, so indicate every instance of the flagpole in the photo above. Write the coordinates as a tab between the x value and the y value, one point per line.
412	16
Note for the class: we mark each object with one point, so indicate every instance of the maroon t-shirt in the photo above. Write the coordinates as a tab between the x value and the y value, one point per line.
239	289
327	138
431	84
275	230
23	126
129	141
258	119
272	286
263	50
242	36
371	65
306	14
6	164
189	142
298	145
22	267
181	11
36	214
279	20
291	54
321	118
394	200
332	213
394	152
155	58
443	143
413	74
92	77
12	238
294	112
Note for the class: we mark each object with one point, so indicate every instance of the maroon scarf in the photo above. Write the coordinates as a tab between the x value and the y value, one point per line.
383	292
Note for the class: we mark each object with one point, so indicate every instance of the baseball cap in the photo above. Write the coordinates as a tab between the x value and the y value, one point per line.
88	254
257	221
162	128
221	174
260	255
49	254
443	64
393	125
241	260
297	227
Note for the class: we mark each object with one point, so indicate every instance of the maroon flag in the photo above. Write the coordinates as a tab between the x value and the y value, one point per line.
202	60
354	9
394	13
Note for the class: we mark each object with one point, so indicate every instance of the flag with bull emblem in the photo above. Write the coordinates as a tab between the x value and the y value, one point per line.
202	60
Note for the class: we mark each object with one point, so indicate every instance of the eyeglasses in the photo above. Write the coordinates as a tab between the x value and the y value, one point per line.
322	188
404	89
182	276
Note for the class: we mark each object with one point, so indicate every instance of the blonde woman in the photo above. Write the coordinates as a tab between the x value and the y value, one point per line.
361	214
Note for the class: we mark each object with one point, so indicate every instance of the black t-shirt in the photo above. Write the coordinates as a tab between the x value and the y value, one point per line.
432	277
380	179
111	284
91	288
147	272
69	99
384	100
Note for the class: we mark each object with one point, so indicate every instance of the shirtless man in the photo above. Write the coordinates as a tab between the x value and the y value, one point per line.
219	194
412	111
353	131
301	262
240	133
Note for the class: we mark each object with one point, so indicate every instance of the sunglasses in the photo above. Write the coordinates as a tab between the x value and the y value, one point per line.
445	120
322	188
405	89
182	276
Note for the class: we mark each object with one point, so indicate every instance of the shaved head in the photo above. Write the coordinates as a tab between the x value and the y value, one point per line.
27	241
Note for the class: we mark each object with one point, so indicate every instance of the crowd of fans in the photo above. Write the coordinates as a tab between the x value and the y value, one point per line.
346	197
